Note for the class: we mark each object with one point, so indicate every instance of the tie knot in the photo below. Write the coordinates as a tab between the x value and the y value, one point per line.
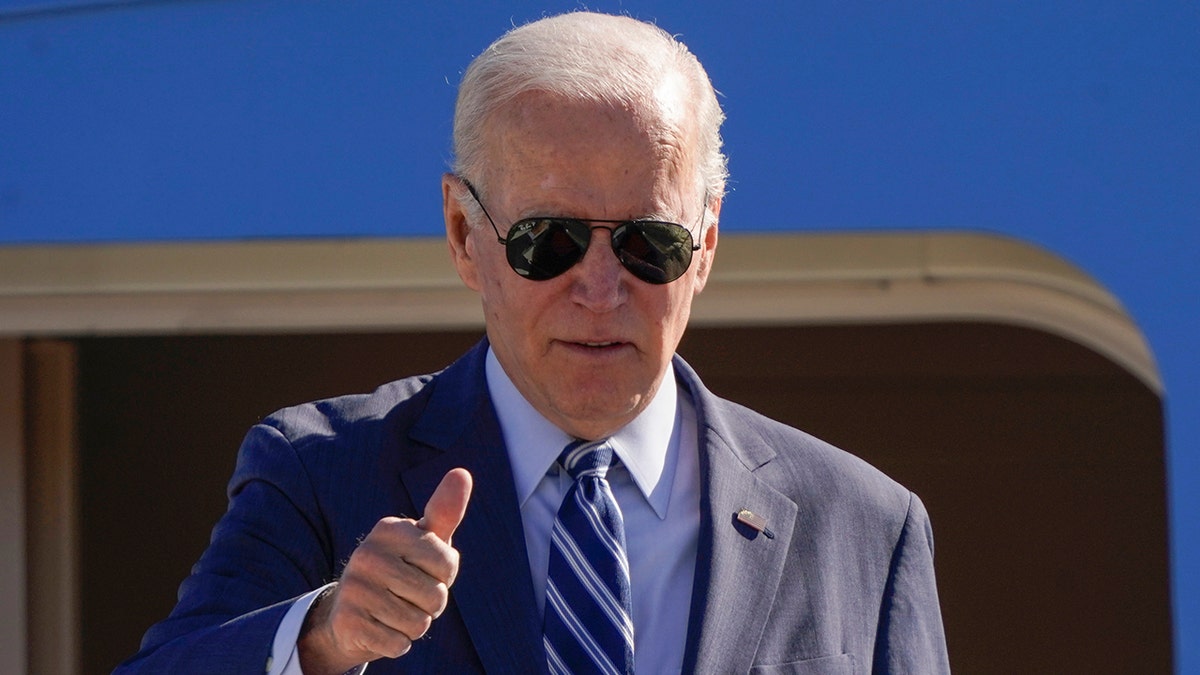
587	458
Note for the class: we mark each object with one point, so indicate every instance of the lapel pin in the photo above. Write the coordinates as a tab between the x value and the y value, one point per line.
755	522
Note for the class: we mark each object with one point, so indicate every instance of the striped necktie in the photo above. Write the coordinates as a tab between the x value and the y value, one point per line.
588	620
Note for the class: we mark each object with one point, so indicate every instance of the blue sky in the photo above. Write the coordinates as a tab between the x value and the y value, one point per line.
1072	125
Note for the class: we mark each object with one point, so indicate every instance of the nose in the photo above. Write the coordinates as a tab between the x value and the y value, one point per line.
597	280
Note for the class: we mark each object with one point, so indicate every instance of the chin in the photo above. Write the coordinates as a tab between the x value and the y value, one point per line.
606	413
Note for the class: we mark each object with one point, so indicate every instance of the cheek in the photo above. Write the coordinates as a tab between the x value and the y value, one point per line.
510	305
676	313
491	279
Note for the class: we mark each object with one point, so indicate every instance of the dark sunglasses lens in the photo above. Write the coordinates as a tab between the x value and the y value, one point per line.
543	248
657	253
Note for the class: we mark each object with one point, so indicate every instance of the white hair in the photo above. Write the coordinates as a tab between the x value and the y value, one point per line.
584	56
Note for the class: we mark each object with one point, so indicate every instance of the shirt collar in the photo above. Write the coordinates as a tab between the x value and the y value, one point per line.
647	446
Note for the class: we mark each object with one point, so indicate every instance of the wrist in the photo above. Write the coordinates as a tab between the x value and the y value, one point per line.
316	645
318	611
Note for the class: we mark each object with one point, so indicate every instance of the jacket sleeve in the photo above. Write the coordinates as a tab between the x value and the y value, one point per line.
911	638
269	548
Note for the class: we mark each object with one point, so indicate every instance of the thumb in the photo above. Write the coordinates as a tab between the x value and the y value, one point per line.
446	507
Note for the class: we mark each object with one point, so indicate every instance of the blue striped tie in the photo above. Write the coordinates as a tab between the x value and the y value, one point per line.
588	624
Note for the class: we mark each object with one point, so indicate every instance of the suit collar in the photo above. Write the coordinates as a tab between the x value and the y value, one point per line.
725	423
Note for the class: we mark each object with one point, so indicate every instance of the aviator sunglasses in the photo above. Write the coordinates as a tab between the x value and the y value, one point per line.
544	247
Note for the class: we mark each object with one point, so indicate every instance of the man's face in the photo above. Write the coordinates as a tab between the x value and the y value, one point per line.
590	347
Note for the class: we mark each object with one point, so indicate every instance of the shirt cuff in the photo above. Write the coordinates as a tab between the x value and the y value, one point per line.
285	657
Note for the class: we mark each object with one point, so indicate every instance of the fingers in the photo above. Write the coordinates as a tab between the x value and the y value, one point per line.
407	562
382	624
355	624
448	504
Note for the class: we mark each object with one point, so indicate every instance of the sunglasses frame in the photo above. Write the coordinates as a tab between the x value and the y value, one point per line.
614	227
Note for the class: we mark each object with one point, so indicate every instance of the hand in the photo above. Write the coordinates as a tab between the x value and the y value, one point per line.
396	583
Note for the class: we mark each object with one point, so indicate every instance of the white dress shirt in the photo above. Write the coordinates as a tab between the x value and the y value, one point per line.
656	485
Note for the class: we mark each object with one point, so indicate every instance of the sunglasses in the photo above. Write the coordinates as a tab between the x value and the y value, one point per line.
655	251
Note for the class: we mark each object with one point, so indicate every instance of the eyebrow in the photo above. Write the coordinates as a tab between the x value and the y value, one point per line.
635	219
539	212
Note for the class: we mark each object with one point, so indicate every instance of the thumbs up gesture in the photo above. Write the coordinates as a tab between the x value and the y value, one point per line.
396	583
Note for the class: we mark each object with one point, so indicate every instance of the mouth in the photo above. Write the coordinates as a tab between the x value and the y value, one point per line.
597	346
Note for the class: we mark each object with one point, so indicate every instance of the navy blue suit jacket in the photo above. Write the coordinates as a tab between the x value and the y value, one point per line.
846	584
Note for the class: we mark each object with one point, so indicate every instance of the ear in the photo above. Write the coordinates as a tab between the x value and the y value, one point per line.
708	246
458	232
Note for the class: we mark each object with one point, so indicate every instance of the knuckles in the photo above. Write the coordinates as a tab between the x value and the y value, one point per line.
396	540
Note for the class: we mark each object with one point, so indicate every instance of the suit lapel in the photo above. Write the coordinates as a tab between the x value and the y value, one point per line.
738	569
493	592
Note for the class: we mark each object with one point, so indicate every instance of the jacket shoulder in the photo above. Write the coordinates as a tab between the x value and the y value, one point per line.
331	417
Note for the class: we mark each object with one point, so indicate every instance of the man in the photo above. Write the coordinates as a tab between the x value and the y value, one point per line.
583	209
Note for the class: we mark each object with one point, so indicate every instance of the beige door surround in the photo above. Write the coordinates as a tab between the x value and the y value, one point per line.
408	284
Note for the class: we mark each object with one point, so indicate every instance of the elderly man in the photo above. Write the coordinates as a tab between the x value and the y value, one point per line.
586	504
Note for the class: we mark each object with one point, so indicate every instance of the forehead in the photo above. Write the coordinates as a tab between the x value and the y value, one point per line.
545	147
